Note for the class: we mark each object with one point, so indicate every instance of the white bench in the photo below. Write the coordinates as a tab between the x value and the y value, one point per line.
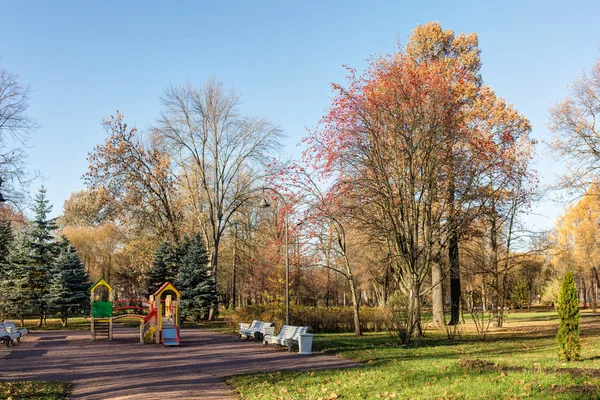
247	331
289	336
8	337
10	326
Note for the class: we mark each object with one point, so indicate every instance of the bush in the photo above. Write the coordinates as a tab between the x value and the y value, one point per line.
320	319
567	338
550	292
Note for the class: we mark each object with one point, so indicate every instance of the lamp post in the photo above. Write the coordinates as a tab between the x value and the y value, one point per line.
264	203
2	199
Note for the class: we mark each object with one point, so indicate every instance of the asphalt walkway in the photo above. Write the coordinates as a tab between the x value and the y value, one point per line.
126	369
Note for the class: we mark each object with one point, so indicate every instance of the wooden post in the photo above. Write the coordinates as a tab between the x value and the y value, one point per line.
158	320
168	307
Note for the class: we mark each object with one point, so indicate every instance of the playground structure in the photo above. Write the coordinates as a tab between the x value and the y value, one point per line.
159	318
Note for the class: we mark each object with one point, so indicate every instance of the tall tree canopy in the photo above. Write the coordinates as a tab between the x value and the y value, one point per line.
576	123
393	140
221	152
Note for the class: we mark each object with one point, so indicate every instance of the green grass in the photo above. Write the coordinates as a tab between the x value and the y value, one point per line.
74	323
511	364
34	390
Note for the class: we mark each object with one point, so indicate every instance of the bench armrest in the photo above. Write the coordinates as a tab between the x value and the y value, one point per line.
269	330
243	326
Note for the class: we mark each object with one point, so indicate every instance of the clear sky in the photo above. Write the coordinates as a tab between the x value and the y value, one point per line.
85	59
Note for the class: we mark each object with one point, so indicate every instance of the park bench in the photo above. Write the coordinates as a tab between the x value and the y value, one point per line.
7	337
10	326
256	330
289	336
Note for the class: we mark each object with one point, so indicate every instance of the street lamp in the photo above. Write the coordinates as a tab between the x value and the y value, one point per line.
2	199
264	203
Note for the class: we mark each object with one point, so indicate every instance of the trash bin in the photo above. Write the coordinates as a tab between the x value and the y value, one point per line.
305	343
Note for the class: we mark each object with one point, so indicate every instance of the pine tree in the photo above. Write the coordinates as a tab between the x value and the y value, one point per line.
567	338
6	239
194	281
69	288
43	251
15	291
162	267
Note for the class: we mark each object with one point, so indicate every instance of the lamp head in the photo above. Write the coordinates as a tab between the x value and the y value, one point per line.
264	203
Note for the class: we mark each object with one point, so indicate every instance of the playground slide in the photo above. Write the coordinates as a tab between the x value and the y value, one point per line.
170	335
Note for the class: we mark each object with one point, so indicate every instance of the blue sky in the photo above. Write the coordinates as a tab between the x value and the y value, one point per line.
83	60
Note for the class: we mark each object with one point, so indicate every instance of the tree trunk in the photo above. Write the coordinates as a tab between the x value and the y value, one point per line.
214	262
355	307
234	270
414	311
584	290
453	257
454	279
437	296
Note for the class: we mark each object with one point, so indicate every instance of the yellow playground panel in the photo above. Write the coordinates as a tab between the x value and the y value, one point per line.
159	316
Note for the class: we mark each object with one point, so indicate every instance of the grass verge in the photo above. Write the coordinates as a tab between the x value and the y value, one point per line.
34	390
518	363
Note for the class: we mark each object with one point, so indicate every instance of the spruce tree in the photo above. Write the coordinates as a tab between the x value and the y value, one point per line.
6	238
15	290
161	268
194	281
567	338
43	251
69	288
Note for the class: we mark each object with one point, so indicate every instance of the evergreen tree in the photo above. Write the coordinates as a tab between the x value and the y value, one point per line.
15	292
567	338
194	281
69	288
43	251
6	239
166	264
160	271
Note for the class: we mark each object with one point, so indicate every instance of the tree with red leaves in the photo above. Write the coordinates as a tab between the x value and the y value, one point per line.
392	143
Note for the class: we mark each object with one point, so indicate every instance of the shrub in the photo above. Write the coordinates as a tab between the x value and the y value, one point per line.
397	317
320	319
550	292
567	338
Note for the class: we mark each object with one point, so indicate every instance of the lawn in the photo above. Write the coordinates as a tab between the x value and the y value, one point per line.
74	323
517	361
34	390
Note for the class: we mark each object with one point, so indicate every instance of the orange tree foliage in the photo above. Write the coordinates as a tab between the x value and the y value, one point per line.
391	143
138	178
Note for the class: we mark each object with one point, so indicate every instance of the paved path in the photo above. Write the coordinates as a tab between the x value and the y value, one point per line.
125	369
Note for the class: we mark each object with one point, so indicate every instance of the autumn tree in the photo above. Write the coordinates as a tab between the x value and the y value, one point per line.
136	174
431	43
393	141
575	122
219	151
387	142
327	222
576	243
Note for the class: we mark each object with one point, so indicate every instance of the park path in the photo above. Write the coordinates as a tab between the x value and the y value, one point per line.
125	369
